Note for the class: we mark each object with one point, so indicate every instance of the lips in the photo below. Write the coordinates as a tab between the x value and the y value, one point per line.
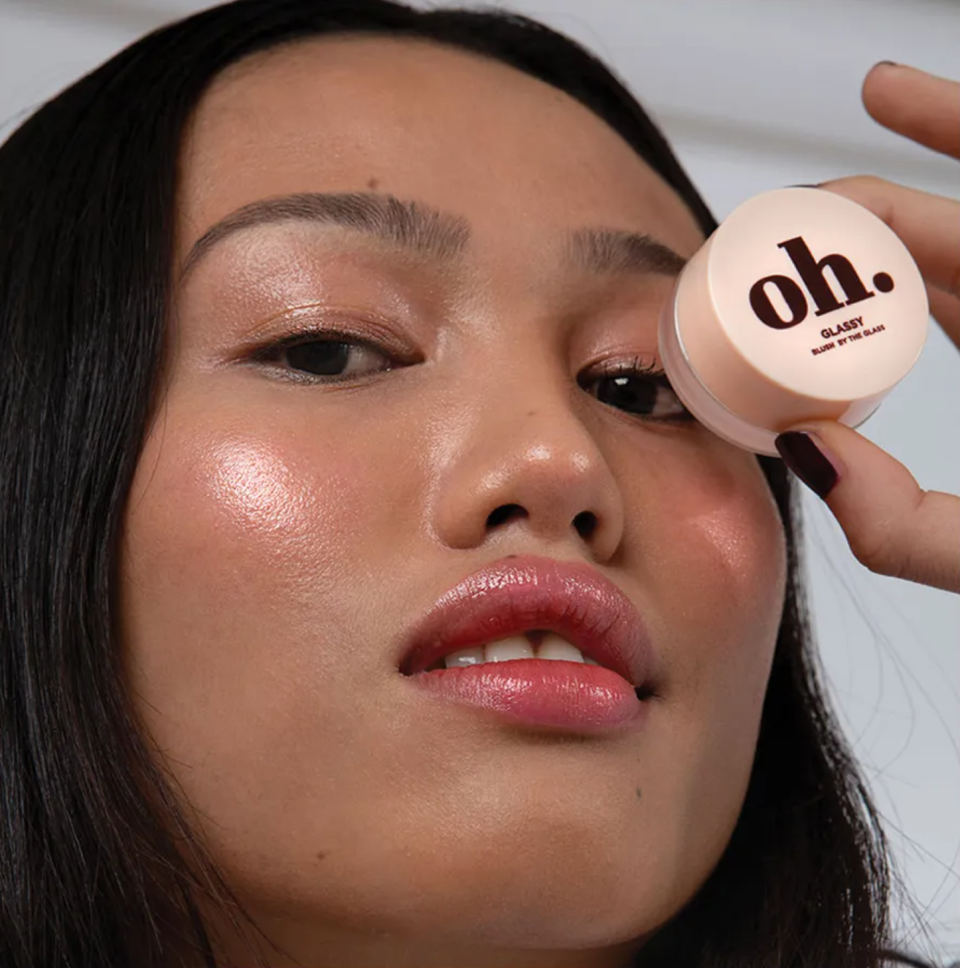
522	594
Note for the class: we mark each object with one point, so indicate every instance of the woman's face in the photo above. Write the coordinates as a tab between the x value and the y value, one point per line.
284	535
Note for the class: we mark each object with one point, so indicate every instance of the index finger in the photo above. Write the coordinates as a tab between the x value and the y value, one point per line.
918	105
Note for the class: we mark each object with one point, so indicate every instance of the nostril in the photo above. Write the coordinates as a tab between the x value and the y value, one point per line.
585	523
504	513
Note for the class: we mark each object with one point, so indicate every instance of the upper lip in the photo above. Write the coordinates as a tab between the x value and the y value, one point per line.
520	594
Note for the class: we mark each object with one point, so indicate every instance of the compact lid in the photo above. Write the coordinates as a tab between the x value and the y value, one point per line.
804	290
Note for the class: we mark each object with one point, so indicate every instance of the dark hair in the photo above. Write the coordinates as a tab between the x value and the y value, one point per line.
98	865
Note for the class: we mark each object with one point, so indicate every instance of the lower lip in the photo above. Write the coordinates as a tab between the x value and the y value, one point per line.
540	692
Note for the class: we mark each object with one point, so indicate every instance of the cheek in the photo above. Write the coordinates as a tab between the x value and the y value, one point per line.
715	551
737	571
234	514
738	556
712	558
234	546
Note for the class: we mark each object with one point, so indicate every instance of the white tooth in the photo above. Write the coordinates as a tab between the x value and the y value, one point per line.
590	661
512	647
465	657
553	646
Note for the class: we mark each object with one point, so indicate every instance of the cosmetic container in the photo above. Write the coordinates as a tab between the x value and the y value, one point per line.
802	305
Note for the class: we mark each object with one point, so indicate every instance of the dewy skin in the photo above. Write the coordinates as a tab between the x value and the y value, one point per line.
801	305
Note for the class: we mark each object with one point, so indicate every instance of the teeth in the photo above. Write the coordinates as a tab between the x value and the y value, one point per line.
554	646
550	646
465	657
514	647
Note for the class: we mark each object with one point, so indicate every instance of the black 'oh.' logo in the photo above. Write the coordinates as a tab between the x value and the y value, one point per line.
811	274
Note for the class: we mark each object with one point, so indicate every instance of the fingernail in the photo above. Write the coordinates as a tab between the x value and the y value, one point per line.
801	453
887	64
803	186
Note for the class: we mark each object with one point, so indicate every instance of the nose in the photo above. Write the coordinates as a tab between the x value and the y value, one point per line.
521	469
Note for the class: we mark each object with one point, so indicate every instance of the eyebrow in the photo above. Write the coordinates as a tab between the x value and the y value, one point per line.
404	225
619	252
416	227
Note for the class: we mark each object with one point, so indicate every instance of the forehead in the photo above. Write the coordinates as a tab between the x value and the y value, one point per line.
420	120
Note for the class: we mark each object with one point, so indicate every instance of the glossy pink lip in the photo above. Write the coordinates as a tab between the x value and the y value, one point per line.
525	593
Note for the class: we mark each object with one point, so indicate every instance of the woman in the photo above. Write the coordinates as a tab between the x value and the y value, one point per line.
325	324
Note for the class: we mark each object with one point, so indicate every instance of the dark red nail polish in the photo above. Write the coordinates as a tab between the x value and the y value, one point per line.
801	454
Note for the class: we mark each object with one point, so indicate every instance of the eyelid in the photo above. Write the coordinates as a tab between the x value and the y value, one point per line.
268	349
275	346
637	366
612	367
324	322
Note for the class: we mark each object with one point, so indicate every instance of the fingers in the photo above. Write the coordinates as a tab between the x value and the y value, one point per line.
929	225
893	526
918	105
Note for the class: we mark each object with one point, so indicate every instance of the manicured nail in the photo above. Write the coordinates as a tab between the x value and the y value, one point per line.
808	461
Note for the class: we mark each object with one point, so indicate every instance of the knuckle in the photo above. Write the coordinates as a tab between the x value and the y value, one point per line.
874	183
953	283
876	548
871	185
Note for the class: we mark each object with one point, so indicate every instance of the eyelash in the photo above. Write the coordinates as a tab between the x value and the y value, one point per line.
273	354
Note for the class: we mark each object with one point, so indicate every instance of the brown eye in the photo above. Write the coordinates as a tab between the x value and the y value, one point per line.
645	393
331	358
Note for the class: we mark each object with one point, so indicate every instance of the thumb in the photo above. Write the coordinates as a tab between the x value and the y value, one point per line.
893	526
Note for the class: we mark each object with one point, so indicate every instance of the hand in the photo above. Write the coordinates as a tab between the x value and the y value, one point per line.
893	526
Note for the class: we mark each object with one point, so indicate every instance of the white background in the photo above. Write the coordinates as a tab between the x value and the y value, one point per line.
754	94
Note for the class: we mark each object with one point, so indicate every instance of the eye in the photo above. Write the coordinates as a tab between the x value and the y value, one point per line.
641	390
329	357
326	357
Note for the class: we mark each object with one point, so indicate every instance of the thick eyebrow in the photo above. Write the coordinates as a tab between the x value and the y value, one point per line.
426	231
405	225
620	252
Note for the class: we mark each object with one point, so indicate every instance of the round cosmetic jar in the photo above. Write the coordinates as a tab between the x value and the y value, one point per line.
802	305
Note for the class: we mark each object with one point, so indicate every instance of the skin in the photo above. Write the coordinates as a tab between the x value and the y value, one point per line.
281	537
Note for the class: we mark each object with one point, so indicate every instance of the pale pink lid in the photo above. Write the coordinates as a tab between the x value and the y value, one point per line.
801	305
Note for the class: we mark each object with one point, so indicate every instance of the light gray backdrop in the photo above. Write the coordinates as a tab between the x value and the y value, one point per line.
754	94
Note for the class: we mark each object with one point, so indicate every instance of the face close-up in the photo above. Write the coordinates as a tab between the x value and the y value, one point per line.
297	512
